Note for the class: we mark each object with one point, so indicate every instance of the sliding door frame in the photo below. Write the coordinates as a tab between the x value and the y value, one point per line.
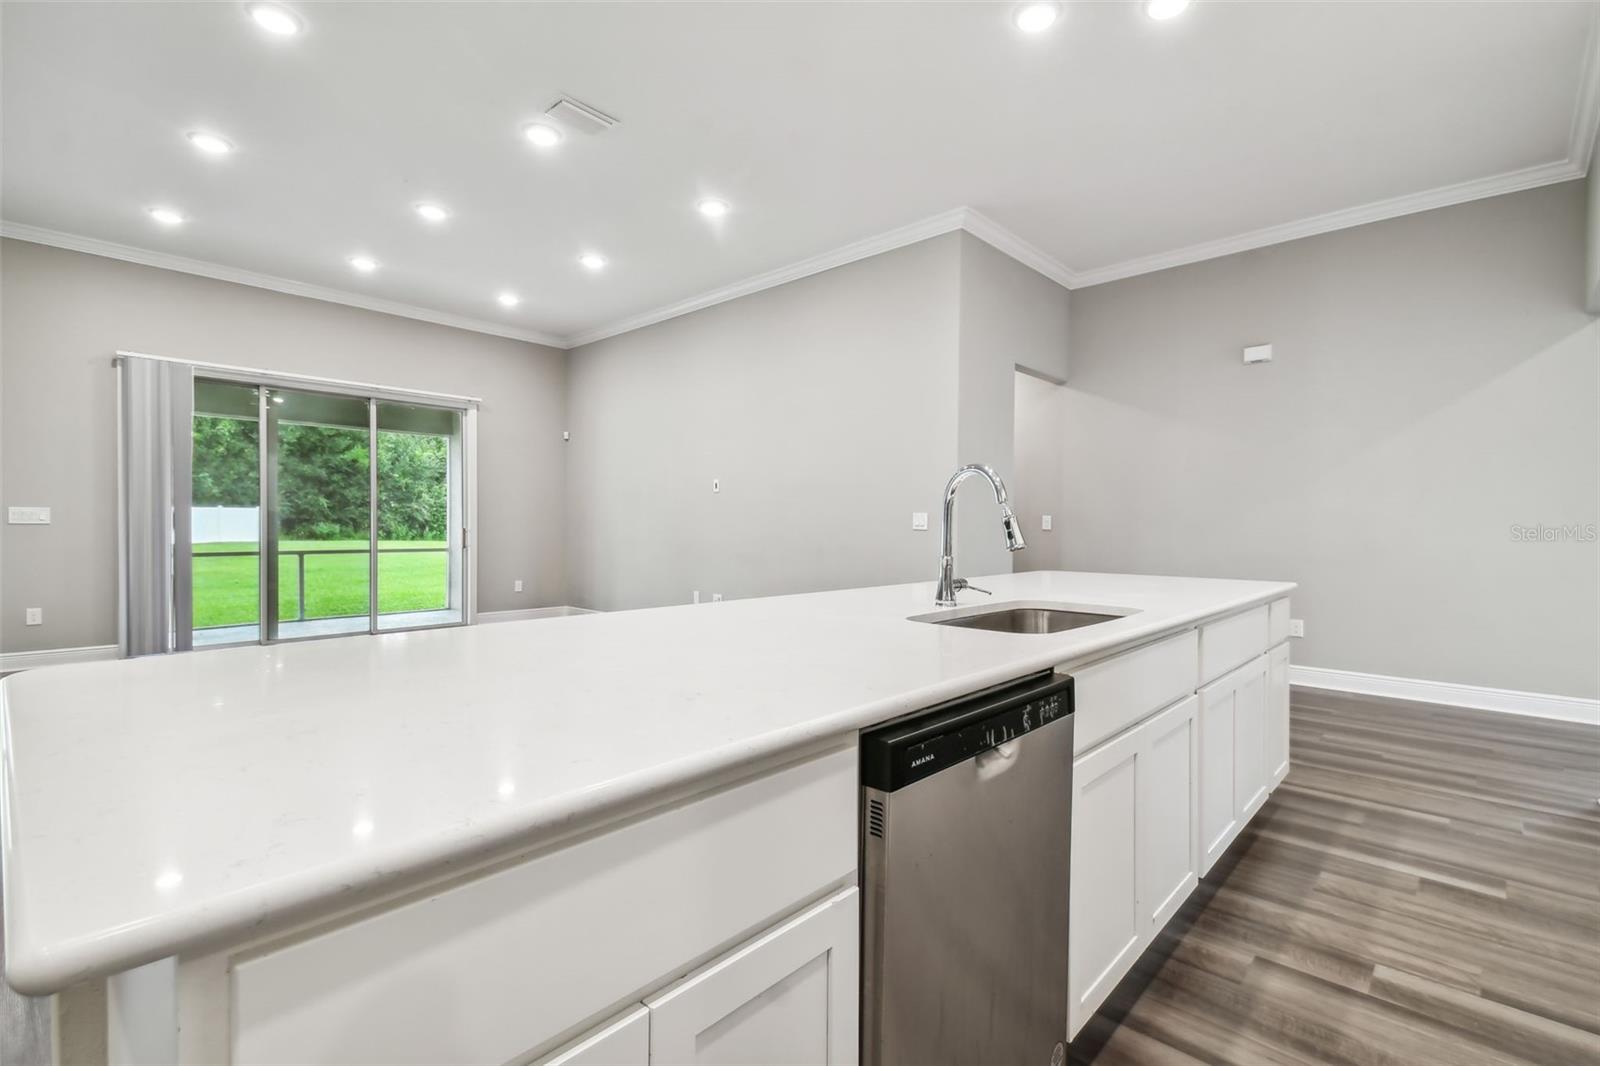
465	534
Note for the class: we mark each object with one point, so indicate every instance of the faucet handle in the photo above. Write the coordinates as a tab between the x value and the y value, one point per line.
961	583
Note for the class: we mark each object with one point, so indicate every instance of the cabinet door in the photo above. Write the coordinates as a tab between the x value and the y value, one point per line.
1250	770
1233	756
1168	853
788	996
1277	714
623	1041
1219	815
1106	932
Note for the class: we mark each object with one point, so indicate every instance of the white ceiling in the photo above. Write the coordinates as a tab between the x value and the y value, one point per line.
1108	139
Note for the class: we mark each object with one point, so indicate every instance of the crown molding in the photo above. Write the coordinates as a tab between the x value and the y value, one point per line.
1586	115
934	226
1378	211
1001	239
218	272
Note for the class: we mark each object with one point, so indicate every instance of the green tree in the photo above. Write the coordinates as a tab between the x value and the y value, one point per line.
323	478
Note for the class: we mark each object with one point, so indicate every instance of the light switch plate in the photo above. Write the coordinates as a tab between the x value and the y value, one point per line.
1044	523
28	516
919	519
33	616
516	586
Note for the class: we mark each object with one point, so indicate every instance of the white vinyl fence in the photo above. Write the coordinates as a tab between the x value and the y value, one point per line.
210	525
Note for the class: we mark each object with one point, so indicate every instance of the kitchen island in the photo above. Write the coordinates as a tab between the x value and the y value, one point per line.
484	844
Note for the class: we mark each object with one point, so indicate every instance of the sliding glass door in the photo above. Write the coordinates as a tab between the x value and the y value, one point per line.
225	514
323	513
419	516
318	529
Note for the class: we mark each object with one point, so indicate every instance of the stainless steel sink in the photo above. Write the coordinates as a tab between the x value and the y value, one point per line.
1034	618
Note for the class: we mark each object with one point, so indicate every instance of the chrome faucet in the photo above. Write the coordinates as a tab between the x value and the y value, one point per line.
949	585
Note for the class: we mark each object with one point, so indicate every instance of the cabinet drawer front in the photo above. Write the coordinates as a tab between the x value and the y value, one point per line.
1278	621
1111	695
623	1041
492	969
789	996
1232	641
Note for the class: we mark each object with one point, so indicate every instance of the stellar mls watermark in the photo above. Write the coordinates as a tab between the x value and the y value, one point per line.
1539	533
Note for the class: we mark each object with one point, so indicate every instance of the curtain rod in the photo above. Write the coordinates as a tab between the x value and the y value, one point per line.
304	378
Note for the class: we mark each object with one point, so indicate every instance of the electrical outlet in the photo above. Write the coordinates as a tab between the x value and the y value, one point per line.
919	519
716	597
1297	627
34	616
516	586
1044	523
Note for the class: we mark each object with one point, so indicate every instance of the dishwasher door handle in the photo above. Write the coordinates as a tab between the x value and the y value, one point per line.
996	761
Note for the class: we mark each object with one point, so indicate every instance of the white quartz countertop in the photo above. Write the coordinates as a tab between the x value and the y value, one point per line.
175	803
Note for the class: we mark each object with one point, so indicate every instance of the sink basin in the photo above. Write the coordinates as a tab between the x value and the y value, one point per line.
1024	617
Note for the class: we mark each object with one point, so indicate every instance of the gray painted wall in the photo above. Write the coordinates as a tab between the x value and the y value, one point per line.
1011	316
1434	384
1592	276
830	409
65	313
825	407
1039	461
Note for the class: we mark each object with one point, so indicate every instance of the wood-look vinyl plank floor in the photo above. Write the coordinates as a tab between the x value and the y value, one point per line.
1423	888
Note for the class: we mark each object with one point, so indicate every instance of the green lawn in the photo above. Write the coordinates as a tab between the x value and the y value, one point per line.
226	590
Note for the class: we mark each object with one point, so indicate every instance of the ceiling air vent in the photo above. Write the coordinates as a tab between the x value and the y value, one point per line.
579	117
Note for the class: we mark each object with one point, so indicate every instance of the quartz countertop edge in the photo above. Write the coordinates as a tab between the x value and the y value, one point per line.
178	804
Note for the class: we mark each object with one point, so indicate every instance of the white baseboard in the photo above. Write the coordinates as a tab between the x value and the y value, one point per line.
530	612
32	660
1509	701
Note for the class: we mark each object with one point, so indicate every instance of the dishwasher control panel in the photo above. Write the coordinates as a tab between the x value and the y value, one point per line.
898	755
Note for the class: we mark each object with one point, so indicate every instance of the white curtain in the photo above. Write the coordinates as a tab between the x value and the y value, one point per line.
155	431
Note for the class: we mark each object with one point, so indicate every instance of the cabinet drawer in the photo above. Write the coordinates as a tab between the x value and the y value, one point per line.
495	968
1278	621
1113	694
622	1041
1232	642
791	996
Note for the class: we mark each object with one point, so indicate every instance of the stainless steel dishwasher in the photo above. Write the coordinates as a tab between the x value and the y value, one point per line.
966	855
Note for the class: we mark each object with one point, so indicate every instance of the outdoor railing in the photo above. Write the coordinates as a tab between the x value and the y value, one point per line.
300	569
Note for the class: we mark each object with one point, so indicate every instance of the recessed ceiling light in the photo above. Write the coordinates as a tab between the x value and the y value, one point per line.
543	134
364	263
432	212
1165	9
167	216
209	143
1035	18
592	260
275	19
711	207
508	299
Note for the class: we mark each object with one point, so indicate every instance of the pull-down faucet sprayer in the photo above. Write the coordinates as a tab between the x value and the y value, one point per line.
949	585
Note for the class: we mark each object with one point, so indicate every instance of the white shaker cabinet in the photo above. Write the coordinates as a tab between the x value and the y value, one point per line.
789	996
1277	714
1133	849
1234	774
